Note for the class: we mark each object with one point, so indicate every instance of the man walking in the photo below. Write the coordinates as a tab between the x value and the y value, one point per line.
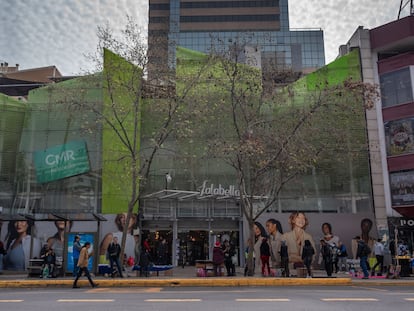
114	250
83	265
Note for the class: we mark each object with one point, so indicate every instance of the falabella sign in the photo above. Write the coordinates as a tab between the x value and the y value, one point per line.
61	161
211	190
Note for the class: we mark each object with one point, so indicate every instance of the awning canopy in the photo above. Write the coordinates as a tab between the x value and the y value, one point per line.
54	217
182	195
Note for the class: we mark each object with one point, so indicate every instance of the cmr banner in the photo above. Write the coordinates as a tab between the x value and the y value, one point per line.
61	161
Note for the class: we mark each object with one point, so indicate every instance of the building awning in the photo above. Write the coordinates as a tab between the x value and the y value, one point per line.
182	195
54	217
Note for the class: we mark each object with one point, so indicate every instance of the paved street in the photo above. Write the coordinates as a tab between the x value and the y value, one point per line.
210	298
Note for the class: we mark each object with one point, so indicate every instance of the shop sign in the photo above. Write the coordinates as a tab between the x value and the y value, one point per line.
406	222
211	190
61	161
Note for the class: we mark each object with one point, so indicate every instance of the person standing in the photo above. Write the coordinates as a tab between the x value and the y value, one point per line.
326	254
229	252
307	256
75	253
218	258
284	259
162	252
379	255
83	265
363	251
333	241
259	234
265	256
114	251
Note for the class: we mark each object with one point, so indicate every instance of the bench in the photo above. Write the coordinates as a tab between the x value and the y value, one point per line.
35	267
154	268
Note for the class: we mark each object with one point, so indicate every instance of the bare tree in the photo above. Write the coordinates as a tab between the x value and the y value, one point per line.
272	138
130	92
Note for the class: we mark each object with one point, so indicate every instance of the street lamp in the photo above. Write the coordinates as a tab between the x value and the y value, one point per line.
168	180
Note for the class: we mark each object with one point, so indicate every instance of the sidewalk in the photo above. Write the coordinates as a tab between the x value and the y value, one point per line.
186	277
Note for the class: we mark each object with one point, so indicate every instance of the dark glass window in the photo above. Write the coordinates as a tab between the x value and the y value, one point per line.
228	18
396	87
402	188
159	6
229	4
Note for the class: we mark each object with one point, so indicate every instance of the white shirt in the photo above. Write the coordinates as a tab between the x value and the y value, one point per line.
379	249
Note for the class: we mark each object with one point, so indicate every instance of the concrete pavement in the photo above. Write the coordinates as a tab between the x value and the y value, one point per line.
187	278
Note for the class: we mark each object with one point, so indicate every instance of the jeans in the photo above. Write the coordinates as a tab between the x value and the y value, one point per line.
87	274
364	265
115	260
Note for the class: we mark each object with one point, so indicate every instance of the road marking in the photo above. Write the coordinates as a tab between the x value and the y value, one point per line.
172	300
85	300
262	299
127	290
409	299
349	299
11	300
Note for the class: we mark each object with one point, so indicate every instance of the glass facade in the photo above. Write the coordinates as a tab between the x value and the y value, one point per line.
203	26
336	185
52	128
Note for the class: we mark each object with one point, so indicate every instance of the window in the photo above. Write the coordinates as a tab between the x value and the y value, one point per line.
402	188
396	87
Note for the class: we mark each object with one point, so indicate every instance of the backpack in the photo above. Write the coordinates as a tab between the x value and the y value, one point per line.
365	250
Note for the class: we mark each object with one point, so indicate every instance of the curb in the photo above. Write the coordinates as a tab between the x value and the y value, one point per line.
203	282
188	282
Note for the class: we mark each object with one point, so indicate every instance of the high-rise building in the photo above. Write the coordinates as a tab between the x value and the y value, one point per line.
260	29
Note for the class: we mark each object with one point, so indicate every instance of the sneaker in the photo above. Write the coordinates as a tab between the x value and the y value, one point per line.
74	286
365	278
95	285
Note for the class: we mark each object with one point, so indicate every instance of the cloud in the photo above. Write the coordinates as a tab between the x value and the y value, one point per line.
38	33
340	19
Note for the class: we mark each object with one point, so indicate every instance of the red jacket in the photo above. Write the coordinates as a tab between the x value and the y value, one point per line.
218	255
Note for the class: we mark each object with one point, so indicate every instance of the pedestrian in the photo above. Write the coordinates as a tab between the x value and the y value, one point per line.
379	255
284	258
229	252
218	258
75	253
162	252
307	256
363	251
49	262
333	241
114	251
265	256
83	265
342	257
326	254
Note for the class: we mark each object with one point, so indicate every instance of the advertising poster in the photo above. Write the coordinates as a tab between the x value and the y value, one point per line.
84	237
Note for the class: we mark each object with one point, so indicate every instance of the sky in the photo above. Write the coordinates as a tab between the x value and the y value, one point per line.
38	33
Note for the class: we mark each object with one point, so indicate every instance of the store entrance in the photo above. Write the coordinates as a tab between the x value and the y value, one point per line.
193	245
